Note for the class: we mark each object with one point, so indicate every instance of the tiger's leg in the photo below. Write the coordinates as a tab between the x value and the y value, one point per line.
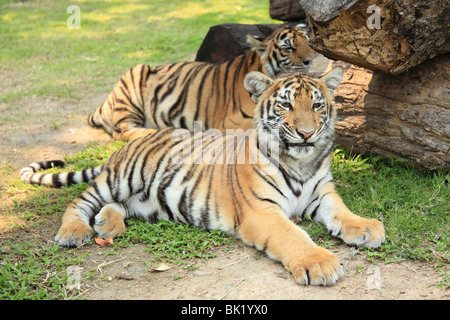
283	240
110	221
75	228
343	224
123	112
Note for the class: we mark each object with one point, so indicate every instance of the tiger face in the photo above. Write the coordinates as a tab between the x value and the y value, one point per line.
298	108
286	49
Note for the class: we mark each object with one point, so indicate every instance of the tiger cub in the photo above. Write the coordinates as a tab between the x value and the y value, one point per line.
197	178
177	94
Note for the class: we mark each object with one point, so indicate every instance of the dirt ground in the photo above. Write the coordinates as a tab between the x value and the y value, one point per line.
54	128
239	275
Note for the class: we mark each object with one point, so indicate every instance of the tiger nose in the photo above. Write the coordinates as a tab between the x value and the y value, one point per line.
305	135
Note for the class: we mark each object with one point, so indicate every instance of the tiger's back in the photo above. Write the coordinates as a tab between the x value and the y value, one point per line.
168	181
179	94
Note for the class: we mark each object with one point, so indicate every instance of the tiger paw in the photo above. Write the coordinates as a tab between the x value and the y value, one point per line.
109	222
358	231
317	267
74	234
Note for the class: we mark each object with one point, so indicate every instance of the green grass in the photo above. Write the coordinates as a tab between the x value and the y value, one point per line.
94	155
413	205
174	242
35	271
52	60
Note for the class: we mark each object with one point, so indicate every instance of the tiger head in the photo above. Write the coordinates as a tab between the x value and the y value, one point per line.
298	108
285	49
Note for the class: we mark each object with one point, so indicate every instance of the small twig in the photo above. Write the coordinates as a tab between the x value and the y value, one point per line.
411	269
80	293
37	235
436	191
233	263
104	264
232	289
80	246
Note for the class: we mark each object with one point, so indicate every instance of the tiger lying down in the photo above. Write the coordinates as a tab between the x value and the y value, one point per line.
178	94
159	177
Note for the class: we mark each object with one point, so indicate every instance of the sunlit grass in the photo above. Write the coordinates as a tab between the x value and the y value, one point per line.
53	60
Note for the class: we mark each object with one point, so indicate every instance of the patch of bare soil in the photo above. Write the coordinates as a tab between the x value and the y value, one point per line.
245	274
36	129
48	129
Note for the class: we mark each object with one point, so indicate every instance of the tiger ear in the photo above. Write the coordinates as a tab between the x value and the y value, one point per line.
332	79
260	46
256	83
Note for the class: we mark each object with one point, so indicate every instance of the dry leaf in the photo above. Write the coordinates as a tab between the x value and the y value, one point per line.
103	242
162	267
404	46
296	219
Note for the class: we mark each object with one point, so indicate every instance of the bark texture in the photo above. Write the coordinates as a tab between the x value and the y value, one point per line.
286	10
405	116
226	41
409	31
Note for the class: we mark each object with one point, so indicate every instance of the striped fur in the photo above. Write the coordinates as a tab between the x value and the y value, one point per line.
249	200
177	94
28	174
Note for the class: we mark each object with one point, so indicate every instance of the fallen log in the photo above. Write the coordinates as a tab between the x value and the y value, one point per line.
405	116
390	36
226	41
286	10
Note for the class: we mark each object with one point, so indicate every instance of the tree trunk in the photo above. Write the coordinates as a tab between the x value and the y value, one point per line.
390	36
286	10
405	116
226	41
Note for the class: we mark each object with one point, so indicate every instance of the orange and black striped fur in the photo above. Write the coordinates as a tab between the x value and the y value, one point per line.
177	94
163	176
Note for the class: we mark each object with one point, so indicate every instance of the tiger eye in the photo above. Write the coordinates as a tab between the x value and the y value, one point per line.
287	105
317	106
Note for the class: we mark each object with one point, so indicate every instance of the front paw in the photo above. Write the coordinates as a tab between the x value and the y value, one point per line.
317	267
109	223
358	231
74	234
